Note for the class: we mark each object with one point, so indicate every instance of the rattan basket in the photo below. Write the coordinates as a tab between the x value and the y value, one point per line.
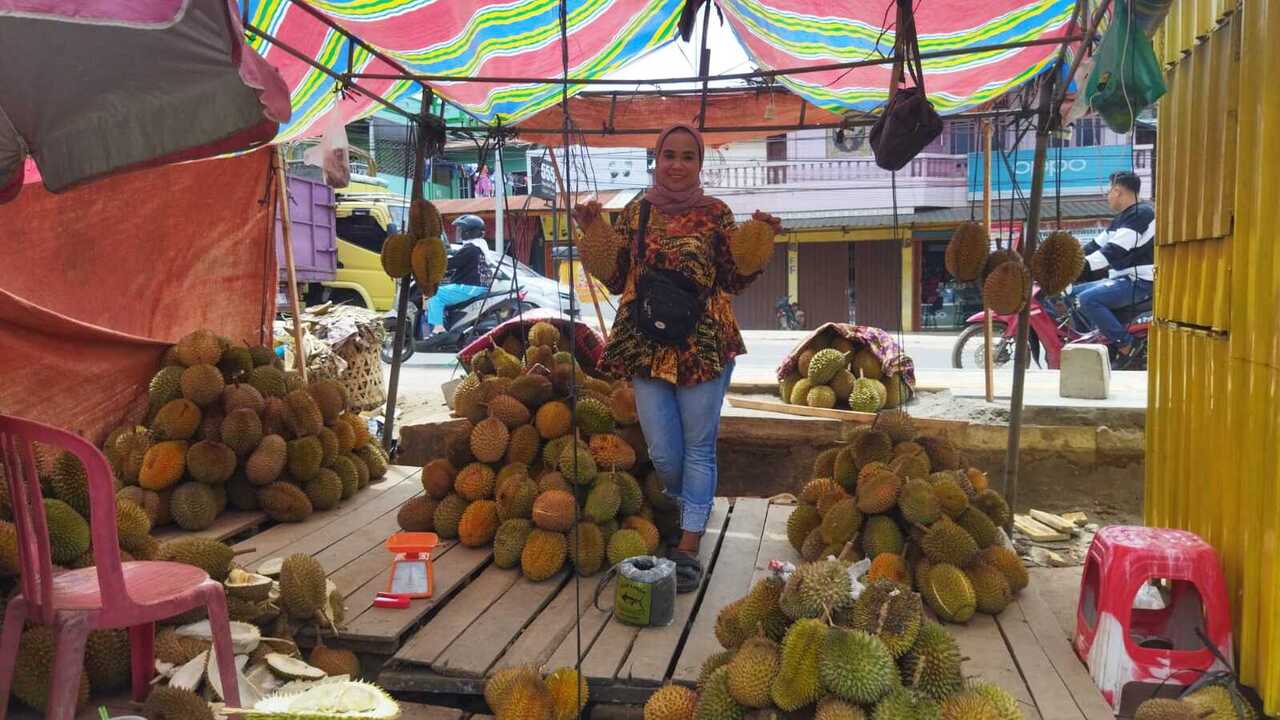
363	376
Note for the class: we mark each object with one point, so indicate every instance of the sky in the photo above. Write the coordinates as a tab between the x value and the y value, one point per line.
680	58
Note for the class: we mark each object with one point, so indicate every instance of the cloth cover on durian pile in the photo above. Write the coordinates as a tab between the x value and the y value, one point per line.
880	343
589	343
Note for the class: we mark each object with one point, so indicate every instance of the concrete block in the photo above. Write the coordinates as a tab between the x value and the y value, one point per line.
1086	372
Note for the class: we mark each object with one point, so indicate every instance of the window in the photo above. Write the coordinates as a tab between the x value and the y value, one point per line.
962	137
1087	132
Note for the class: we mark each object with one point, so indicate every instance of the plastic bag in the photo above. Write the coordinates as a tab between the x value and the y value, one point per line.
1126	77
332	155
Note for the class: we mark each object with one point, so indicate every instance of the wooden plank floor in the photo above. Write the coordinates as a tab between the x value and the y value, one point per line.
502	620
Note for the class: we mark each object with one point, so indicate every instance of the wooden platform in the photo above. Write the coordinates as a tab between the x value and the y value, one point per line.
501	620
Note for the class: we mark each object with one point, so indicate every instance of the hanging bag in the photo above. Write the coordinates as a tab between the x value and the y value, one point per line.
668	304
908	123
1126	75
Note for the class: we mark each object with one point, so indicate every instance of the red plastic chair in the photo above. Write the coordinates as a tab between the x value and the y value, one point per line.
133	595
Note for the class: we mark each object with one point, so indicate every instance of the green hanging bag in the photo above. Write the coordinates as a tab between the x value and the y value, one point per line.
1126	75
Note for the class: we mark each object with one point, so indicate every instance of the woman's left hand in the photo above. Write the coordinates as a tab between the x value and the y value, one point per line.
769	220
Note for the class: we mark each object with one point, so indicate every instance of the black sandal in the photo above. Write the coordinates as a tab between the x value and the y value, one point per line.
688	570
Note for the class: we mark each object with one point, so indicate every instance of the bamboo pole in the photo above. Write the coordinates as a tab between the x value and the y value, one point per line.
291	273
568	203
988	361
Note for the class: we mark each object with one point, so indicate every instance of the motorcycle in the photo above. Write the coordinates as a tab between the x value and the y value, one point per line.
789	314
465	321
1054	323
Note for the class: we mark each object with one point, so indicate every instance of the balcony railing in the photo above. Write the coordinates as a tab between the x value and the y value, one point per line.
840	170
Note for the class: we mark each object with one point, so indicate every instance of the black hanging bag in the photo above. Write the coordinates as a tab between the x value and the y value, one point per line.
908	123
668	304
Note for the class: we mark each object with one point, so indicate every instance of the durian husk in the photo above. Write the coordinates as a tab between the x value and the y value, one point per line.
751	246
967	251
1057	262
1007	288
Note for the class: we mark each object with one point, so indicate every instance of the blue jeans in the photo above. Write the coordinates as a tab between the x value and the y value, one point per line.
448	295
681	424
1098	299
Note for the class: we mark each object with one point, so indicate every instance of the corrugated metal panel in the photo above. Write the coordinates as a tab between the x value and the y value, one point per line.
1188	22
754	308
824	282
1213	461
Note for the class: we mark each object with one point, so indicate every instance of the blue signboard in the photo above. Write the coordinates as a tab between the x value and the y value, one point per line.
1082	169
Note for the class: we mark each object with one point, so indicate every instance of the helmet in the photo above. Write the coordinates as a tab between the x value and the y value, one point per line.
469	227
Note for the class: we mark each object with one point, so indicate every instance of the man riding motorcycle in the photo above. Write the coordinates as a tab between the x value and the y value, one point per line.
1124	255
468	271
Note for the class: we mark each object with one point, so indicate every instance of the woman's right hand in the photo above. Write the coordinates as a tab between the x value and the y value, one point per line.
587	215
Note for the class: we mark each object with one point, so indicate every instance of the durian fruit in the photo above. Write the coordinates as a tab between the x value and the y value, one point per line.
417	514
622	405
515	498
749	676
842	384
448	515
568	692
475	482
1057	262
896	424
824	365
967	251
800	391
603	502
890	612
865	364
576	464
947	542
990	588
554	511
544	334
856	666
593	416
375	458
489	440
1006	705
242	431
70	483
821	396
304	457
508	542
68	532
267	460
612	452
910	461
165	385
752	246
425	220
303	413
786	387
270	381
803	520
671	702
889	566
344	466
882	536
842	520
438	478
825	463
868	395
397	250
193	506
979	527
629	489
586	545
33	669
509	410
918	503
505	364
236	363
625	544
543	555
933	665
896	391
906	704
951	498
1009	564
968	706
648	531
816	590
335	661
942	453
478	523
803	361
879	492
797	682
994	507
106	660
949	593
1006	290
1167	709
714	700
202	384
285	502
429	260
10	563
553	420
302	586
324	490
711	664
172	703
210	463
200	347
176	420
871	446
207	554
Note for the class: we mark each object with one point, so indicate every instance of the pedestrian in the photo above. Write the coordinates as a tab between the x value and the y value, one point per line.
484	184
692	257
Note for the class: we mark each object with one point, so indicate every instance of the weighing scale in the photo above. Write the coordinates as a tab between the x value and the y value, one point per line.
412	574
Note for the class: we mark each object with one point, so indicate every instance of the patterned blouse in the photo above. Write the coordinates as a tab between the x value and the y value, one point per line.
695	243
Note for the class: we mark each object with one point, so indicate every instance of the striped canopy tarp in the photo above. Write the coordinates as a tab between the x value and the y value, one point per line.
781	34
521	38
509	38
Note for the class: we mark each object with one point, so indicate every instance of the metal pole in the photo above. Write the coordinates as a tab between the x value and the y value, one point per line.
705	69
988	361
282	192
499	197
568	204
1044	123
402	303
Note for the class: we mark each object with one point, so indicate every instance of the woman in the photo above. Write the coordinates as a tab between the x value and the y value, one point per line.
679	387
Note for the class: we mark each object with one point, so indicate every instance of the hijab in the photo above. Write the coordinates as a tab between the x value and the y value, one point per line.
673	202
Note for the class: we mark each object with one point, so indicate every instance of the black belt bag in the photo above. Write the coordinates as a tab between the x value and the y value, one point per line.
668	304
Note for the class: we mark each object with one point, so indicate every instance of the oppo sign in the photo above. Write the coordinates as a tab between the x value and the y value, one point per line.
1082	169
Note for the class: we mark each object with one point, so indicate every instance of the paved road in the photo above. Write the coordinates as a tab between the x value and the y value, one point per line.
765	350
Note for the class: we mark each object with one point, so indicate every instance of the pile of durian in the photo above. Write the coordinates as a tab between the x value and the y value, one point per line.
1005	279
520	480
419	252
833	372
909	505
227	426
521	693
1218	699
804	643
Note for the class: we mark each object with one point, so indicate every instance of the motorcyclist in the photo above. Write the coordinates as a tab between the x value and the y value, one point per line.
468	271
1124	256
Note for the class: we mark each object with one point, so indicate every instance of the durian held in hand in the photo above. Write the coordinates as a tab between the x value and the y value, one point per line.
751	243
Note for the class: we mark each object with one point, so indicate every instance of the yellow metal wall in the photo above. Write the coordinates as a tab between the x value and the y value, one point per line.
1213	432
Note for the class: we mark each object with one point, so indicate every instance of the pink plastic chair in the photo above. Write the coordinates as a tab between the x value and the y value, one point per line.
133	595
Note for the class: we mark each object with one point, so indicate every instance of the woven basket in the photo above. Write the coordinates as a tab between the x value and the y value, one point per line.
363	376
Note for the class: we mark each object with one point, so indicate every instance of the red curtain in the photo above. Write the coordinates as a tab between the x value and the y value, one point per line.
96	282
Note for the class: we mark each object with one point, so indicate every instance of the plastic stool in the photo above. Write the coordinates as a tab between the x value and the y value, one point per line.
1122	644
